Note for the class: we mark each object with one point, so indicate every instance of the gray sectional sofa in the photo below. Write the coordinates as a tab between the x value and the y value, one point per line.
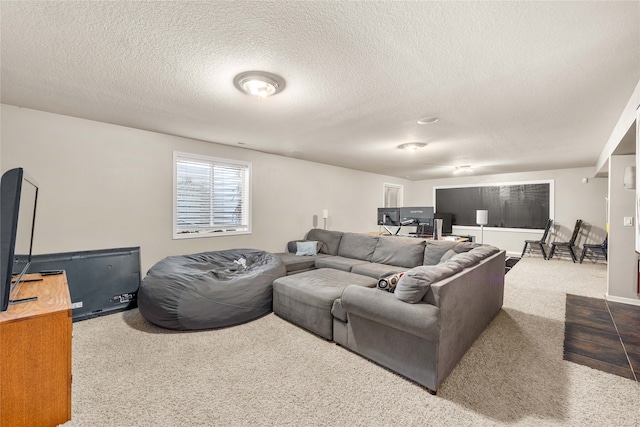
449	292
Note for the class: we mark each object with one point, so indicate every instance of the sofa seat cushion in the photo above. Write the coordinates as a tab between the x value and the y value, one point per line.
295	263
338	263
358	246
306	299
401	251
376	270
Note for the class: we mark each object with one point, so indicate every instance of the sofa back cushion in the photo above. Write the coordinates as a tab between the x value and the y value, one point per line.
465	246
401	251
415	283
435	249
358	246
474	256
330	240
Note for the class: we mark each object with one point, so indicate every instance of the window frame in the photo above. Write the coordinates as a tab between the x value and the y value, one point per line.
177	155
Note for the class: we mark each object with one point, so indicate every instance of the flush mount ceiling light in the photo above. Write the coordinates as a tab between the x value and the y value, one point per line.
411	146
428	120
259	83
463	169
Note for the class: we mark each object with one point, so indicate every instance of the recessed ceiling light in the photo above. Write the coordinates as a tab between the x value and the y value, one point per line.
411	146
428	120
259	83
462	169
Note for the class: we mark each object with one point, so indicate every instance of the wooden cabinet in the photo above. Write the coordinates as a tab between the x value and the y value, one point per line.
35	355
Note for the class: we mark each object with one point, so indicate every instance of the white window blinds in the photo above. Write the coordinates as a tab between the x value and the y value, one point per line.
211	196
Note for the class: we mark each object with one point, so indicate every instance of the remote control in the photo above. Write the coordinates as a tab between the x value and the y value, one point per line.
50	272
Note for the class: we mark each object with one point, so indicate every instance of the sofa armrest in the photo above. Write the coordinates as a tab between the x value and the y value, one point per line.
468	302
422	319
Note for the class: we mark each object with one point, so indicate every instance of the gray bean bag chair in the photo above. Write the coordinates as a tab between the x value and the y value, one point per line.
210	289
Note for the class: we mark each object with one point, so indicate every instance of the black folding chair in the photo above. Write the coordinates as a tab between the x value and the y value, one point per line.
534	244
595	251
555	246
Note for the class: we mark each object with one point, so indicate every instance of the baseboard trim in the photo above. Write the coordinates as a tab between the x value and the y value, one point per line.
622	300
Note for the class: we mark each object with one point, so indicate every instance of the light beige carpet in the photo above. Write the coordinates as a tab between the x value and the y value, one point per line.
127	372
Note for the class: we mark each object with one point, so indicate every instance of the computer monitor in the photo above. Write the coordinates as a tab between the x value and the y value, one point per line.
447	221
420	215
389	216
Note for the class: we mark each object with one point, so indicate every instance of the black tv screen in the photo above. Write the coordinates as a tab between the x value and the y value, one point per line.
18	202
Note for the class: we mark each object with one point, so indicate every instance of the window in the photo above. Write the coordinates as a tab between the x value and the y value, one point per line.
211	196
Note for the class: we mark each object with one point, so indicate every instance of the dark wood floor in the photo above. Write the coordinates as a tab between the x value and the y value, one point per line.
603	335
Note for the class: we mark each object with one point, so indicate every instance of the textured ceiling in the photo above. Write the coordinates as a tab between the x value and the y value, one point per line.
518	86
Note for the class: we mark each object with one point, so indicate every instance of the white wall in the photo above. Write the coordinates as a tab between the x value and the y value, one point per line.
106	186
573	200
625	121
623	265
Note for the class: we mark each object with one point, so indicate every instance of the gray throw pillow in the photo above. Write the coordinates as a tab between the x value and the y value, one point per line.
447	255
307	248
415	283
435	250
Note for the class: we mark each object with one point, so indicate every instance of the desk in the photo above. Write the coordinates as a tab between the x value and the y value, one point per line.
35	355
450	237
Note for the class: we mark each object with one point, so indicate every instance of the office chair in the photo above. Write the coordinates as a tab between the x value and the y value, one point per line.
568	245
594	251
540	243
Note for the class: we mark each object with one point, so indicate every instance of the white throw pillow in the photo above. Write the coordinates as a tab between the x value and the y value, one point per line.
306	248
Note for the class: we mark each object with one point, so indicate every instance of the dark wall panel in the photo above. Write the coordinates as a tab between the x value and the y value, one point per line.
510	205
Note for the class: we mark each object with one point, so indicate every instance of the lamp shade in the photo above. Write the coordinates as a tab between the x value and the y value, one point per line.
325	213
482	217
